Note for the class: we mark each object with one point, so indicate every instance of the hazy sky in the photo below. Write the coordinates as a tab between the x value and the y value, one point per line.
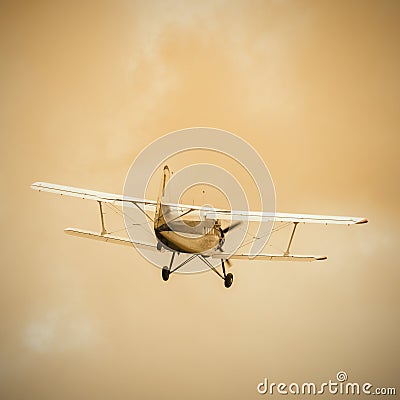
85	86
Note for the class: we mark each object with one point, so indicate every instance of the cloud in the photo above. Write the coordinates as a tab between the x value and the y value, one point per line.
56	330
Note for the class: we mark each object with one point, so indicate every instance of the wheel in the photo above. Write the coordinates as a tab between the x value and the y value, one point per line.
165	273
228	280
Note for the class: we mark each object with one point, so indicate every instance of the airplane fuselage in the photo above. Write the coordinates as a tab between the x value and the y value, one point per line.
190	240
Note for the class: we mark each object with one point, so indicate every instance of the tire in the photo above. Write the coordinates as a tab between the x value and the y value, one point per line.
228	280
165	273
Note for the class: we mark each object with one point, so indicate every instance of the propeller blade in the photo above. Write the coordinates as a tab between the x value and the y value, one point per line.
231	227
228	262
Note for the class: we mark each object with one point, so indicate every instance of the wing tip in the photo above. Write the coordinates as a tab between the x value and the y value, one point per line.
35	185
362	221
321	258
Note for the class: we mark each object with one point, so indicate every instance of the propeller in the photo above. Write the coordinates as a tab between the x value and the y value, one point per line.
231	227
227	261
224	231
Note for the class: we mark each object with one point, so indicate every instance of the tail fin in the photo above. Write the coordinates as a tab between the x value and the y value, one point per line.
159	218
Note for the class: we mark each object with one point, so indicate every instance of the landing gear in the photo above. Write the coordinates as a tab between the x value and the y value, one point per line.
228	280
165	273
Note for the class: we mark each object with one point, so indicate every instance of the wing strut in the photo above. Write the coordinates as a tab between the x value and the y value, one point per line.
286	253
103	228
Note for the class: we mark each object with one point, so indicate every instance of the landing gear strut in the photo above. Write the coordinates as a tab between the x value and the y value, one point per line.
227	278
167	271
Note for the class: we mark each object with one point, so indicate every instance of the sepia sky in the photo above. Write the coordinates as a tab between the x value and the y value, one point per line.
314	86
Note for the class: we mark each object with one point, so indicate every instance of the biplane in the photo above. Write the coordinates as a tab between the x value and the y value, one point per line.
177	233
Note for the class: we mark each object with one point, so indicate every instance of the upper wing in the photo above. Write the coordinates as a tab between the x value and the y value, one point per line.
205	212
116	199
259	216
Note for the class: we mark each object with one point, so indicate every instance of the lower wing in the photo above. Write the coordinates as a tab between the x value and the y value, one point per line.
108	238
222	256
269	257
